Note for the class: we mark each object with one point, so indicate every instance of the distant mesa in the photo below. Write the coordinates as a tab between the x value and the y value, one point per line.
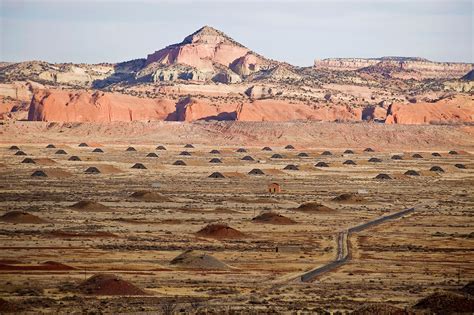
291	167
152	155
90	206
326	153
220	231
321	164
383	176
269	217
131	149
109	284
179	163
160	147
98	150
247	158
21	217
348	198
314	206
192	259
74	158
256	171
139	166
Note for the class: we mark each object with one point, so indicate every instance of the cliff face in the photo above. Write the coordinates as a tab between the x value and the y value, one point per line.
423	68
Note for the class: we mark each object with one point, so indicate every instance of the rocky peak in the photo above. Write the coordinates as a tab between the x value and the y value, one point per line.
209	35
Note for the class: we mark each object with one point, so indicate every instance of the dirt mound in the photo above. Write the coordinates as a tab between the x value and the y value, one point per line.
90	206
348	198
380	309
468	288
220	231
108	284
22	218
8	307
191	259
149	196
48	265
45	161
446	303
313	206
272	218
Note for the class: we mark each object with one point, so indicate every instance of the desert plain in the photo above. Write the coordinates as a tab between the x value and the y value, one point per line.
168	238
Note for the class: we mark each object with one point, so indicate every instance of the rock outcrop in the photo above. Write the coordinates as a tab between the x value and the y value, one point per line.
457	109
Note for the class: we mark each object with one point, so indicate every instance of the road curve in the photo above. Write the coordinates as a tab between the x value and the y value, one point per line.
343	248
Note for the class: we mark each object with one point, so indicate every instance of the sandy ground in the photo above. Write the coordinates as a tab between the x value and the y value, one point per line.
397	262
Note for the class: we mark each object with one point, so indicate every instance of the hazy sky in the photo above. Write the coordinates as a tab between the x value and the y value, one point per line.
294	31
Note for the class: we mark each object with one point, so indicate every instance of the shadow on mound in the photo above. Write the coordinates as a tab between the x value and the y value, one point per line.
272	218
89	206
191	259
109	284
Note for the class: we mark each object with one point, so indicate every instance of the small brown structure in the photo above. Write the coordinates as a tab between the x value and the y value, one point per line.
14	147
436	154
185	153
98	150
152	154
179	162
139	166
289	147
383	176
322	164
303	154
460	166
28	161
74	158
61	151
436	169
396	157
256	171
291	167
216	175
92	170
453	152
412	173
83	144
349	162
348	152
267	149
215	152
277	156
160	147
50	146
326	153
39	173
215	160
369	150
274	188
131	149
247	158
417	156
20	153
241	150
375	160
189	146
